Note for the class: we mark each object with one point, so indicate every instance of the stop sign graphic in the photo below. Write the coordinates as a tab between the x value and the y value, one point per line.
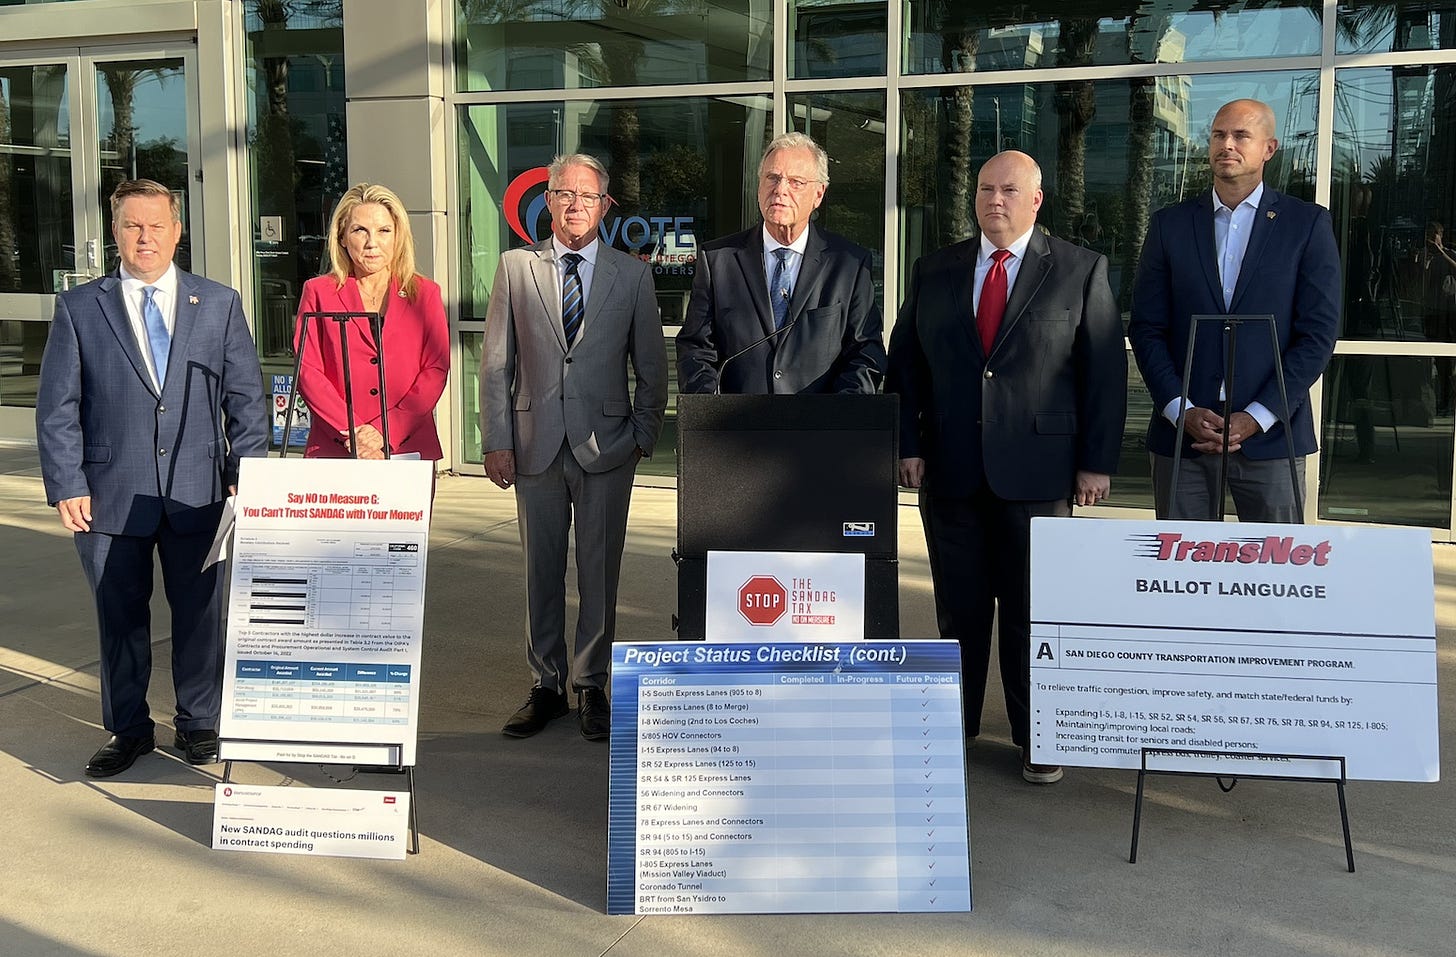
762	600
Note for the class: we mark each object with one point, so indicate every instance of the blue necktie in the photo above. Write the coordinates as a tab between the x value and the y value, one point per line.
573	303
780	291
157	335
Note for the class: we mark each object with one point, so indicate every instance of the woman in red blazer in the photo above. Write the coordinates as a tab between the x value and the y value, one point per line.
372	253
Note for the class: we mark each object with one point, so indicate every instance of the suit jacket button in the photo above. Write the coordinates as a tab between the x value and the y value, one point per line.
990	374
374	361
568	360
161	409
373	391
162	453
778	373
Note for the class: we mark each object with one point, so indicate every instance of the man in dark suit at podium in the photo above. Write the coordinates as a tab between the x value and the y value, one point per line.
1240	248
784	307
1008	360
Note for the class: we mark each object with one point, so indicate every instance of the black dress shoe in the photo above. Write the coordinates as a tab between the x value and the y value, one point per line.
594	714
117	755
541	708
198	747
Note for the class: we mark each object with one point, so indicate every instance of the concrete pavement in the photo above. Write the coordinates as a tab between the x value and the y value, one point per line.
514	832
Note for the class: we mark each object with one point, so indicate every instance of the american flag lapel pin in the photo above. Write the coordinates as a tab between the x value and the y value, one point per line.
193	299
1271	214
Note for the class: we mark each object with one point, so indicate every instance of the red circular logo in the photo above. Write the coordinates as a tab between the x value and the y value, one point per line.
762	600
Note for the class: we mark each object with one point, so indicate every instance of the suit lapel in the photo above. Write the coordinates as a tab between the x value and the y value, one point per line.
811	277
604	275
188	304
543	270
113	307
1029	277
353	301
1205	246
1265	222
750	262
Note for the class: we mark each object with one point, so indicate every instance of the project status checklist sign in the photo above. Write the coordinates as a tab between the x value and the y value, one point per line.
326	610
787	778
1244	638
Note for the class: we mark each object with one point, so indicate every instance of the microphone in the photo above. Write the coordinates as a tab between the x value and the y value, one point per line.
718	389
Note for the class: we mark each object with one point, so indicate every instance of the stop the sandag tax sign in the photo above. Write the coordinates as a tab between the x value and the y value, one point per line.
784	596
762	600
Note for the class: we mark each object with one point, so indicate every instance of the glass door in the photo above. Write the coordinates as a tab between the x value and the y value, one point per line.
73	124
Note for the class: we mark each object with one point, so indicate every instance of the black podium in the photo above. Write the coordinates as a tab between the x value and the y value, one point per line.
794	473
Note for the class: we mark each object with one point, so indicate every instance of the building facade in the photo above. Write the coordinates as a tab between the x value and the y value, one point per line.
262	112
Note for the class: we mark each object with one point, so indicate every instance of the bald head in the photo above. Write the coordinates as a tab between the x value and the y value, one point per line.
1240	143
1008	195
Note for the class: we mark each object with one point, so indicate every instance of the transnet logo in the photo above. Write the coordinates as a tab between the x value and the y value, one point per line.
1264	550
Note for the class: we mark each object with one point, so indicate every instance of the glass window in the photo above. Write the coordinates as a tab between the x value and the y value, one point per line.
37	230
681	170
297	159
21	346
1393	201
851	128
1111	153
471	345
1379	26
1387	443
568	44
837	38
1013	35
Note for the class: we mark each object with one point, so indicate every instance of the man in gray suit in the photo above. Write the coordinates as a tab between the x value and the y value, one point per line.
565	317
784	307
150	392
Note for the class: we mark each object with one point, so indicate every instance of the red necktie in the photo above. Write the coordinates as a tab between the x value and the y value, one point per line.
993	300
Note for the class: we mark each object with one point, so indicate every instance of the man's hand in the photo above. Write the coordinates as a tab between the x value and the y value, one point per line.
1203	426
1241	426
75	513
500	467
912	472
1091	488
368	440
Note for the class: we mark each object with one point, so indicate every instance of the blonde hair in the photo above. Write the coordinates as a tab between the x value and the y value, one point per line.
126	189
402	270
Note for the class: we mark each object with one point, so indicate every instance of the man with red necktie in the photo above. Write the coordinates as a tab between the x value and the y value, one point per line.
1008	360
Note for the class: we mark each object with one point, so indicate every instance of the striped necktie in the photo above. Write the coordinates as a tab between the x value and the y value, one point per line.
573	303
779	287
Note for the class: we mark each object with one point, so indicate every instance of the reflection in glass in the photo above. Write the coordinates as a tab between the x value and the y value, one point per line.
682	171
1380	26
1132	486
851	128
1138	145
142	112
837	38
576	44
1394	206
471	345
297	158
1386	448
21	345
37	231
1013	35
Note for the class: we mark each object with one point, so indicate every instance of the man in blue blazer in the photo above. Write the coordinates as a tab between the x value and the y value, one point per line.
150	391
784	307
1240	249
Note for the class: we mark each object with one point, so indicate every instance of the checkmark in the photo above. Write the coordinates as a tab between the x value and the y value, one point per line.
925	732
932	882
926	761
932	900
929	819
932	865
927	773
930	833
930	849
927	789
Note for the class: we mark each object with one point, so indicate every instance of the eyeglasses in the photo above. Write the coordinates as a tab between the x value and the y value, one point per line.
568	197
794	183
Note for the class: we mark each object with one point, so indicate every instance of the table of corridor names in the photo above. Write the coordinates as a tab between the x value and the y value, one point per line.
787	778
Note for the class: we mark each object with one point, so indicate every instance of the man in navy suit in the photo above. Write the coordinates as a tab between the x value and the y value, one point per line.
1008	360
150	392
1240	249
784	307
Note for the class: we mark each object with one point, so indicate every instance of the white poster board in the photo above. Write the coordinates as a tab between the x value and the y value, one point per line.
326	611
785	596
332	822
1246	638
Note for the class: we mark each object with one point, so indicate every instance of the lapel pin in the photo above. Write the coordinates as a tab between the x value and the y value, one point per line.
1271	214
193	299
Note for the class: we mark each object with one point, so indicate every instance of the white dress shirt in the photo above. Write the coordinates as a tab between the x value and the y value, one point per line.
1013	265
166	299
791	265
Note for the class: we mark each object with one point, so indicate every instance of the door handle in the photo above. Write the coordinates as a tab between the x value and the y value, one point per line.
93	253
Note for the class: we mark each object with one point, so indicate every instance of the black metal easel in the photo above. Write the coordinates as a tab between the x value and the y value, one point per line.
376	327
1338	782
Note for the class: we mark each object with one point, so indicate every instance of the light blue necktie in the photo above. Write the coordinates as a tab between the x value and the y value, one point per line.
157	335
780	287
573	303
